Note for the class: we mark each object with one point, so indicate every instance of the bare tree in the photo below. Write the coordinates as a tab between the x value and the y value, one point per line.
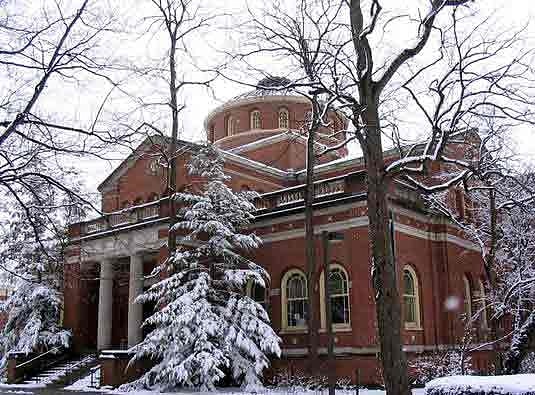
47	52
474	74
177	21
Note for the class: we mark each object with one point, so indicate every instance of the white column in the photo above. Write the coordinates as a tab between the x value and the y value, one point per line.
135	310
105	303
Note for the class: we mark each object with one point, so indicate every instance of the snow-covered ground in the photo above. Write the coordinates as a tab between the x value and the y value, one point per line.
514	384
84	384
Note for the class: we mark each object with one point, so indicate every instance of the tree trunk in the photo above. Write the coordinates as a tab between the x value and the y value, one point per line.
490	269
384	276
331	368
171	182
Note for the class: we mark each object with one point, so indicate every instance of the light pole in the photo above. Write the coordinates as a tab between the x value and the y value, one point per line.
327	238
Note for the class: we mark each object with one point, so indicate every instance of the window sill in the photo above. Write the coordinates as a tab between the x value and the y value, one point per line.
338	329
293	331
413	328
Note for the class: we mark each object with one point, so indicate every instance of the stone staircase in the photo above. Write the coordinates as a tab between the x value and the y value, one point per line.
64	372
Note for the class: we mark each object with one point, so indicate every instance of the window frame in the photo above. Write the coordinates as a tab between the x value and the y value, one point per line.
467	297
283	110
231	125
417	324
482	305
285	327
253	120
341	327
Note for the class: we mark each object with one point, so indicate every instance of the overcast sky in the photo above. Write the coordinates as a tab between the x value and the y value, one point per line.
83	99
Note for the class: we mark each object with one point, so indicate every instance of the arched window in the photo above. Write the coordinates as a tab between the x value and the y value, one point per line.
294	300
411	299
339	295
482	306
467	297
257	292
211	136
231	126
283	118
256	120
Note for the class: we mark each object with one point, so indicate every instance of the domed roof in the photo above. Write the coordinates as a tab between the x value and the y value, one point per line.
269	86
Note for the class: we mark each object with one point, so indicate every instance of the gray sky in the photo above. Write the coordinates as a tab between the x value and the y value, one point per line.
84	98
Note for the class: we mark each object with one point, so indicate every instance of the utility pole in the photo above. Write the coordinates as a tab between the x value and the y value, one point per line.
326	238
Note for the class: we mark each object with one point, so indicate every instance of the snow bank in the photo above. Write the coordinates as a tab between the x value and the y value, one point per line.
482	385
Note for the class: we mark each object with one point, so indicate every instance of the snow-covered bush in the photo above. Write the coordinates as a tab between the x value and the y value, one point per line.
520	384
528	364
296	381
440	364
205	326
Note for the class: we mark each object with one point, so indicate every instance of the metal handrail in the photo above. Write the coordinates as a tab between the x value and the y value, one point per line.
71	368
38	357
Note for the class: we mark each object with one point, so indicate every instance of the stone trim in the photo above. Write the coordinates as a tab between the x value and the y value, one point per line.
412	348
244	175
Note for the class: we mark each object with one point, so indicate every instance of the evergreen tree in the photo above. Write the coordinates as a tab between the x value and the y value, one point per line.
205	326
31	251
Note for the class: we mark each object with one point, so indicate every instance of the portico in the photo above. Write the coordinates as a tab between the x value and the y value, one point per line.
104	280
105	302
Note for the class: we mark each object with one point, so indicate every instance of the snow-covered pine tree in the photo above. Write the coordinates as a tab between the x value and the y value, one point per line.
31	250
205	326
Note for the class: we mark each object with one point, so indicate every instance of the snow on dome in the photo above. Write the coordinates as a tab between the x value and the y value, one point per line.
273	81
269	86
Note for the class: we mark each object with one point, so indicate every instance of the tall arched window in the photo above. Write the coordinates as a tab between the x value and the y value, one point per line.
256	292
339	295
294	300
411	299
256	120
283	118
231	126
482	306
467	297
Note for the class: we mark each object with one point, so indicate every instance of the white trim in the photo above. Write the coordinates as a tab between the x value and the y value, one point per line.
244	175
283	135
482	305
423	234
417	325
467	297
414	348
284	301
252	120
331	227
357	222
345	327
257	165
296	217
283	110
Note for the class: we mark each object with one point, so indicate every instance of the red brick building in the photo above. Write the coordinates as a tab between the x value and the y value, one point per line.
260	133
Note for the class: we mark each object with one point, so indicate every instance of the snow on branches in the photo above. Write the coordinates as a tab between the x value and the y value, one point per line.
205	327
33	254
